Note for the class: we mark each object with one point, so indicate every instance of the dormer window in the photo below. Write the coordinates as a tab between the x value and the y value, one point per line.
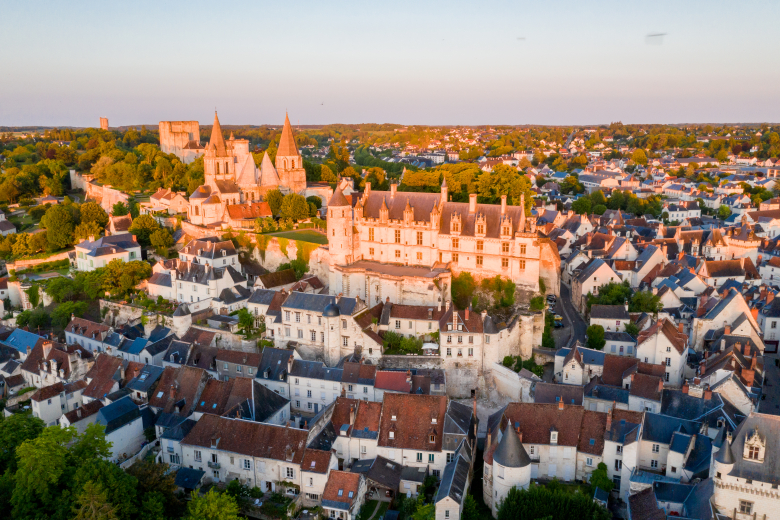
391	435
392	417
432	438
553	437
434	420
755	447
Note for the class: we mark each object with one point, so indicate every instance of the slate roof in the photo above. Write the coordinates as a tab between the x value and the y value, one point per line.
144	381
510	452
188	478
118	414
21	340
610	312
550	393
316	303
454	480
262	296
385	472
659	428
768	428
315	370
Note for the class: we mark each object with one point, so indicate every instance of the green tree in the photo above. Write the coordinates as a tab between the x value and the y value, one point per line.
143	227
15	430
156	481
212	506
161	240
60	316
327	175
597	197
120	277
632	329
724	212
85	230
295	207
639	156
645	301
58	222
539	502
611	294
314	200
595	335
37	318
92	212
600	209
600	478
582	205
463	286
120	209
245	320
274	199
93	504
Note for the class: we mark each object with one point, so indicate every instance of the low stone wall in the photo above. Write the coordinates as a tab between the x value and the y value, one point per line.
544	355
406	362
194	231
20	264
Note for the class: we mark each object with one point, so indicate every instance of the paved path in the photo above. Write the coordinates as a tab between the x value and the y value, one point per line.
573	322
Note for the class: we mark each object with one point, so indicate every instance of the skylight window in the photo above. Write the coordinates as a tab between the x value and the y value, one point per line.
160	394
351	494
341	492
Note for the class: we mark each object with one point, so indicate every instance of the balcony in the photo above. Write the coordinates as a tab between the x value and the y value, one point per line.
214	465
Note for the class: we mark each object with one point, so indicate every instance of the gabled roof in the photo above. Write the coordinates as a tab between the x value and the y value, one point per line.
118	414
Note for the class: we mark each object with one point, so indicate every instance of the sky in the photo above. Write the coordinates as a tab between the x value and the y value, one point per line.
551	62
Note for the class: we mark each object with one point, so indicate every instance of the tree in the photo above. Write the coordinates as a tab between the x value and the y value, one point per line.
153	481
600	478
314	200
645	301
143	227
539	502
93	504
597	197
582	205
212	506
295	207
120	209
611	294
60	316
161	240
632	328
595	335
58	222
724	212
245	320
327	175
120	277
92	212
87	229
274	199
463	286
639	156
15	430
600	209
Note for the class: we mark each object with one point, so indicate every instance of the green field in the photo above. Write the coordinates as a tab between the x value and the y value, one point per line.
304	235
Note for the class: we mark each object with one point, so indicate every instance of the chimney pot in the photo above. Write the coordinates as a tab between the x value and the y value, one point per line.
685	387
681	328
560	405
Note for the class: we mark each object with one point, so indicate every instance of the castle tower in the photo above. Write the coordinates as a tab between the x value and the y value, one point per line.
289	163
217	161
339	229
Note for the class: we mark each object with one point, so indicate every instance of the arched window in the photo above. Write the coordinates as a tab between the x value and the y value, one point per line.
226	168
284	161
196	211
217	168
293	163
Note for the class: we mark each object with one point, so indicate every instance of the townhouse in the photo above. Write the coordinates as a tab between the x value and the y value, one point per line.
52	402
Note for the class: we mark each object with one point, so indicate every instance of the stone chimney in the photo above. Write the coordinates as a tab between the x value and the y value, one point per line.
352	415
466	314
447	305
484	315
392	189
47	346
367	191
91	238
727	329
560	404
702	368
660	385
681	328
519	435
472	203
685	387
746	350
707	394
503	204
609	417
409	377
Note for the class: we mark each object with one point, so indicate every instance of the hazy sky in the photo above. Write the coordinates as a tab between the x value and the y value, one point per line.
409	62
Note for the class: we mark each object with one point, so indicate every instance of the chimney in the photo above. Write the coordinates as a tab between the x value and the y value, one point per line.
702	368
685	387
135	239
609	417
352	415
447	305
746	351
707	394
467	314
487	442
367	191
560	404
484	315
387	300
754	312
172	392
660	384
409	377
519	435
727	330
91	238
681	328
392	189
625	304
722	344
122	371
503	204
473	203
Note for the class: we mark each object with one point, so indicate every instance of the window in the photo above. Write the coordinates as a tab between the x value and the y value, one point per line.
455	243
619	448
363	450
419	457
286	315
419	238
446	513
300	334
746	507
674	470
419	256
589	461
479	261
753	452
238	368
391	435
449	350
371	237
297	404
666	377
521	265
437	473
308	394
345	341
450	456
411	325
553	437
504	263
398	253
656	448
522	249
430	455
397	236
618	465
247	464
313	335
343	324
198	456
349	388
668	362
297	317
371	251
290	473
455	258
480	229
471	351
654	463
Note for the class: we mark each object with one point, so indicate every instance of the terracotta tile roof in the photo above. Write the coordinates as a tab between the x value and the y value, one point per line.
646	386
358	373
368	416
87	410
392	380
592	432
179	386
48	392
615	367
86	328
416	312
679	340
316	461
277	279
472	324
535	422
341	411
14	381
251	359
417	418
340	485
198	336
249	438
101	376
366	318
220	396
249	211
121	223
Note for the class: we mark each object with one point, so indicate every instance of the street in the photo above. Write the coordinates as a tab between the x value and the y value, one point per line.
574	326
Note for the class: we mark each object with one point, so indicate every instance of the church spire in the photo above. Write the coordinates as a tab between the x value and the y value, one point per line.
217	141
287	146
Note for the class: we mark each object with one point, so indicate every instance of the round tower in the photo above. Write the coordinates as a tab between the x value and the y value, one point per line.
339	229
332	315
511	466
723	463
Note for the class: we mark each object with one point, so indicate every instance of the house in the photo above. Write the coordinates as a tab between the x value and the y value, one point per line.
243	216
313	386
383	477
168	200
455	482
87	334
666	344
344	495
275	366
93	254
279	280
612	318
23	342
210	251
592	276
82	416
124	427
119	225
51	402
355	425
315	471
745	469
51	362
234	363
144	383
577	365
357	380
195	283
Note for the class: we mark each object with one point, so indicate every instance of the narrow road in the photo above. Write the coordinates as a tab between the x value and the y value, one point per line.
568	141
574	324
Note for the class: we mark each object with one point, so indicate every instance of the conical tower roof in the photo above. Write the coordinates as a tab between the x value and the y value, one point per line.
268	174
724	455
510	452
287	146
217	140
338	199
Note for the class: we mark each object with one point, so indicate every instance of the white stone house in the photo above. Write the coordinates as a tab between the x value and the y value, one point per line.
664	343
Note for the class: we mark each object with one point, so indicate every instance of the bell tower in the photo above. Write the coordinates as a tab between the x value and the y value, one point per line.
289	163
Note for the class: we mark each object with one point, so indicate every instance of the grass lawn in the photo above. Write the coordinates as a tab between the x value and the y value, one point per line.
304	235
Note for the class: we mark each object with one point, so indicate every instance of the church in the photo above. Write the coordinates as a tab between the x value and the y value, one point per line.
232	178
405	247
